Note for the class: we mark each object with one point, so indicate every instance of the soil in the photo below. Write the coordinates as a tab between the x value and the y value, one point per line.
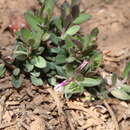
41	108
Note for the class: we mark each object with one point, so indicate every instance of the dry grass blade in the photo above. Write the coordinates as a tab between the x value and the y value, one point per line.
3	126
62	116
4	79
2	104
112	115
57	100
74	106
70	121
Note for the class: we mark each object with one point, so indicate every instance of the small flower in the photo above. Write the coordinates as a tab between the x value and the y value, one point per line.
59	87
81	66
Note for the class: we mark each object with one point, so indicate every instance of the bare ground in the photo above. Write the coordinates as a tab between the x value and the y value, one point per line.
33	108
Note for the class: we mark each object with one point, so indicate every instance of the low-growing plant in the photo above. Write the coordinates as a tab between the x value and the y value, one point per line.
121	88
53	50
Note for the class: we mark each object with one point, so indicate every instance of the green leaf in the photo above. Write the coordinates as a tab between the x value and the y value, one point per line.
72	30
16	72
52	81
2	70
35	74
75	11
55	50
72	88
36	81
34	21
65	9
39	51
94	32
67	21
70	59
126	71
28	66
16	81
20	52
57	22
96	59
114	78
49	6
60	59
66	14
45	36
86	42
26	34
17	34
51	65
68	43
54	39
37	37
126	88
70	70
20	55
51	74
39	62
91	82
120	94
82	18
60	71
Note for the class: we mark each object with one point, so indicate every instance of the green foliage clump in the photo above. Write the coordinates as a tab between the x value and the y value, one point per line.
52	48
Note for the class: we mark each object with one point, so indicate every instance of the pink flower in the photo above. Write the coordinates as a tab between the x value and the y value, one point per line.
81	66
60	86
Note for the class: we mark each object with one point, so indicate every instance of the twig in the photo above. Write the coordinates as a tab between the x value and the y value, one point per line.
2	104
57	101
4	79
23	124
7	125
62	116
69	121
112	115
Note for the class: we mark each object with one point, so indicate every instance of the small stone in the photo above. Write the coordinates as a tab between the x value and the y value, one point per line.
38	124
